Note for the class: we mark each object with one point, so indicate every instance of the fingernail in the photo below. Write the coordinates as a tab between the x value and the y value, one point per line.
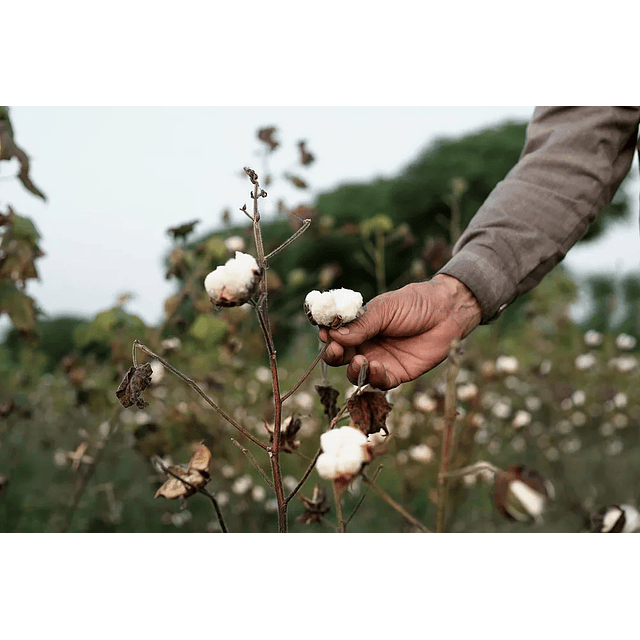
343	331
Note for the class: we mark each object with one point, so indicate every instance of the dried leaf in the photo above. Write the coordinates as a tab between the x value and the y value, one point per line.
266	135
328	398
9	149
306	158
135	381
296	181
182	231
197	475
369	411
174	488
201	459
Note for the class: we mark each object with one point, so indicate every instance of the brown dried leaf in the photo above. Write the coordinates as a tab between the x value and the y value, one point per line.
197	475
266	135
9	149
135	381
181	231
296	181
369	411
201	459
174	488
328	398
306	158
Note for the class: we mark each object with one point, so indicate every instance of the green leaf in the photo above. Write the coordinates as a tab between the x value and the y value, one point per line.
23	228
18	305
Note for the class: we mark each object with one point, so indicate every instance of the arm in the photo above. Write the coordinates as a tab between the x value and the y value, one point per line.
573	162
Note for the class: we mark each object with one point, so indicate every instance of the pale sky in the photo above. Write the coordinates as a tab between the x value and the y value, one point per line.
116	178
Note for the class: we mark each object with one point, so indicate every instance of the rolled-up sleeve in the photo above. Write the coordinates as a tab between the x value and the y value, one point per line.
572	164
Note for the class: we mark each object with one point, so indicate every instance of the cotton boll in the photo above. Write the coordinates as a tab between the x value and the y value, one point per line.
625	342
348	304
321	307
531	501
521	493
592	338
623	518
344	451
507	364
235	243
333	308
233	283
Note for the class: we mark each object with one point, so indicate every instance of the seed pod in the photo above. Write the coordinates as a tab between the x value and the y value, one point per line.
521	494
616	519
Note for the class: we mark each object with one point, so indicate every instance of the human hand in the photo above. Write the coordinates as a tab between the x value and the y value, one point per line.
404	333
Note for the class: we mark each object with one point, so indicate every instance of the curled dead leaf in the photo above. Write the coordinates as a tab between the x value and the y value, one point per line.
328	398
266	135
296	181
306	157
135	381
369	411
189	480
9	149
181	231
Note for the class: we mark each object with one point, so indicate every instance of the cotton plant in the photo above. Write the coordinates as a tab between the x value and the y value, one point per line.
344	451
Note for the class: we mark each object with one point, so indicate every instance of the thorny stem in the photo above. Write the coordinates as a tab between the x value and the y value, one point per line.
253	461
399	508
364	495
337	494
198	489
447	434
307	374
138	345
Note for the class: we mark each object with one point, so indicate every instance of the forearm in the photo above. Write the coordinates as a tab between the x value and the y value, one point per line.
573	162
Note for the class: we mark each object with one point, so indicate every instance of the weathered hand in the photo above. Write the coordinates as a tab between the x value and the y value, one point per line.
404	333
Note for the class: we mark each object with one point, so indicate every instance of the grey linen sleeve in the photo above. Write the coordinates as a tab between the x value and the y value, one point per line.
573	161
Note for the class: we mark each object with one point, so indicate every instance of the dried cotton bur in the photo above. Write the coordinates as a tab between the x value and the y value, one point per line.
315	508
288	433
616	518
195	476
522	494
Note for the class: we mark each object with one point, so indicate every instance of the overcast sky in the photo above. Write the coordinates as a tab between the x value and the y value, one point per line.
116	178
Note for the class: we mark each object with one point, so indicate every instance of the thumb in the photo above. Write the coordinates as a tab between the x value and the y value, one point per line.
368	325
